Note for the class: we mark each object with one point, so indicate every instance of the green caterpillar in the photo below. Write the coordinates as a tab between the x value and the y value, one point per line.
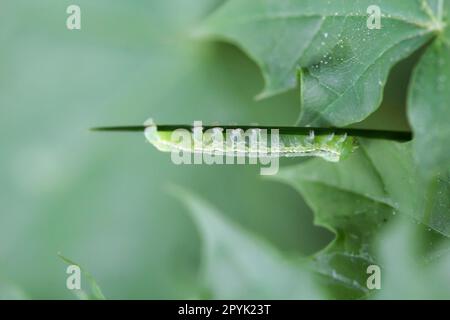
251	142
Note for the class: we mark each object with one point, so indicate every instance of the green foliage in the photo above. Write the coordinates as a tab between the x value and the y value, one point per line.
341	67
410	272
358	196
102	197
429	110
96	292
238	265
99	196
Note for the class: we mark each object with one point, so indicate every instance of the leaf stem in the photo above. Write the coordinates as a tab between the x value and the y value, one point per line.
401	136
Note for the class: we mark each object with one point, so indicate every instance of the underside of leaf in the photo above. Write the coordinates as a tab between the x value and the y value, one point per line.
358	196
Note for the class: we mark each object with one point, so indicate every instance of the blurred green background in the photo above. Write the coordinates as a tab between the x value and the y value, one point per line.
101	199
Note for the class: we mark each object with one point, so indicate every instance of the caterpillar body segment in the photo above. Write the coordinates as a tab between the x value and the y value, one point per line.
251	142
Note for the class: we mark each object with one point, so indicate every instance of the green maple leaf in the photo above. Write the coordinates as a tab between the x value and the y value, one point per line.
429	103
357	197
342	64
342	67
238	265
